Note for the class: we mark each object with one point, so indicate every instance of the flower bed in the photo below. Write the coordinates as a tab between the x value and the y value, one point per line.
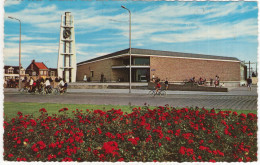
162	134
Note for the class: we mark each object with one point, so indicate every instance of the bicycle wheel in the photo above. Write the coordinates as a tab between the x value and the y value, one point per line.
151	92
22	91
163	93
56	91
42	92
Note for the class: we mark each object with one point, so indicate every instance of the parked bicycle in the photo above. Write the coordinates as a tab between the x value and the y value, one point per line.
160	92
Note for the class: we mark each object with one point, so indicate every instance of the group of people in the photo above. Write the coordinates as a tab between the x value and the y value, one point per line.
158	85
46	84
203	81
11	83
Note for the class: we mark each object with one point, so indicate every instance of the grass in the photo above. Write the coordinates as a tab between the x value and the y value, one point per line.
11	108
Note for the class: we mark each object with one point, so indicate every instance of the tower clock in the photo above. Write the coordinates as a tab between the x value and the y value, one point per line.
67	53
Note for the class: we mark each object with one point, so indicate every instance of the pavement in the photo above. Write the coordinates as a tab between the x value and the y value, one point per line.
237	98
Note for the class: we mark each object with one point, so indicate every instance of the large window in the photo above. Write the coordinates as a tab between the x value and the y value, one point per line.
141	61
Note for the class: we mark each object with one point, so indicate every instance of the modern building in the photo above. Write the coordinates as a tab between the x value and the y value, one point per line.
37	69
176	67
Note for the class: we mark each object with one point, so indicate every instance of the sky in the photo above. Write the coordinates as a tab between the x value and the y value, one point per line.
102	27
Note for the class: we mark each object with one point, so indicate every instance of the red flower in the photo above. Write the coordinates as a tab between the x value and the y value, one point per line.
110	147
167	138
120	160
19	113
99	131
67	159
159	144
178	131
10	155
211	160
134	140
42	110
182	150
33	122
235	113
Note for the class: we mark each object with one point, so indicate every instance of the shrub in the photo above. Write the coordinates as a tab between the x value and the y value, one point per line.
161	134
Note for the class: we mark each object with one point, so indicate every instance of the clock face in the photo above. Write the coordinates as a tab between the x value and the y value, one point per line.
66	33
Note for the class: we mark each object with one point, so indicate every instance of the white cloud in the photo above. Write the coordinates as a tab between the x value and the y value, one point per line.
11	2
205	32
29	49
26	38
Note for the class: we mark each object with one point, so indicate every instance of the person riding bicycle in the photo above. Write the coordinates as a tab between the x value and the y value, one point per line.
166	84
62	85
47	85
158	86
31	83
64	88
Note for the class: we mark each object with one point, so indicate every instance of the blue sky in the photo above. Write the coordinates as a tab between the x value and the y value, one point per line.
213	28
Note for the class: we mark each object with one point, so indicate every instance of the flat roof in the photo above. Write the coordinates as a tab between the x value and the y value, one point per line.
136	51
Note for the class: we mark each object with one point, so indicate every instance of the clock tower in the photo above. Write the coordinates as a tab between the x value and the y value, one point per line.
67	53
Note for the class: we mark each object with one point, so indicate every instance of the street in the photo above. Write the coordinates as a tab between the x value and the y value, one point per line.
237	99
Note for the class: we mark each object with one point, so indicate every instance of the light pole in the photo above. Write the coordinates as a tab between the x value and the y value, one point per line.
19	52
130	65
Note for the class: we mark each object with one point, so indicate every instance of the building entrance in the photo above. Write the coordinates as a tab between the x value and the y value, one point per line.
141	75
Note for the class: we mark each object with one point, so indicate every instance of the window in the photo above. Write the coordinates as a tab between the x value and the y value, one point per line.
141	61
92	73
52	73
41	72
10	70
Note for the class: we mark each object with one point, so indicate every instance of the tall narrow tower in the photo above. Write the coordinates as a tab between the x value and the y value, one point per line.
67	54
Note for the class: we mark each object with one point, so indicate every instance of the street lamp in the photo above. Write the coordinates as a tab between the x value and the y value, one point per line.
130	67
19	52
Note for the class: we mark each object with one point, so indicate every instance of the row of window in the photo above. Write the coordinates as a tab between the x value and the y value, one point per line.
43	72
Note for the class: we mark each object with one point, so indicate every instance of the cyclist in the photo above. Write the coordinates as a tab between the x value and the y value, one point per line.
47	85
158	86
31	83
64	87
166	84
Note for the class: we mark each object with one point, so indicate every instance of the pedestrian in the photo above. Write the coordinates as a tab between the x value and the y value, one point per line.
216	81
85	79
153	78
249	83
166	84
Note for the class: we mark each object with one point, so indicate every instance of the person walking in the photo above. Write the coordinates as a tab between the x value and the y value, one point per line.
249	83
85	79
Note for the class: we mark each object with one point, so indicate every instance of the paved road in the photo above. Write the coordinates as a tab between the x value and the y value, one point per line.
238	98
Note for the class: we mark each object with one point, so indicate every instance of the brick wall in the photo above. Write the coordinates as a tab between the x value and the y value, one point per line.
99	67
178	69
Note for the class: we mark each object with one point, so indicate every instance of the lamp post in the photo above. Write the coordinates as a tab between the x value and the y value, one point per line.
19	51
130	65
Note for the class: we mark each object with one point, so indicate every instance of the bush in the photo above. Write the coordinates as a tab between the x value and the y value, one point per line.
161	134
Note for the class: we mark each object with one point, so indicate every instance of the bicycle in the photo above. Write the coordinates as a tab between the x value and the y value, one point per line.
24	90
57	91
160	92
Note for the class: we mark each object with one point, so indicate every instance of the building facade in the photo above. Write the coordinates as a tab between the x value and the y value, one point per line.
12	72
176	67
37	69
